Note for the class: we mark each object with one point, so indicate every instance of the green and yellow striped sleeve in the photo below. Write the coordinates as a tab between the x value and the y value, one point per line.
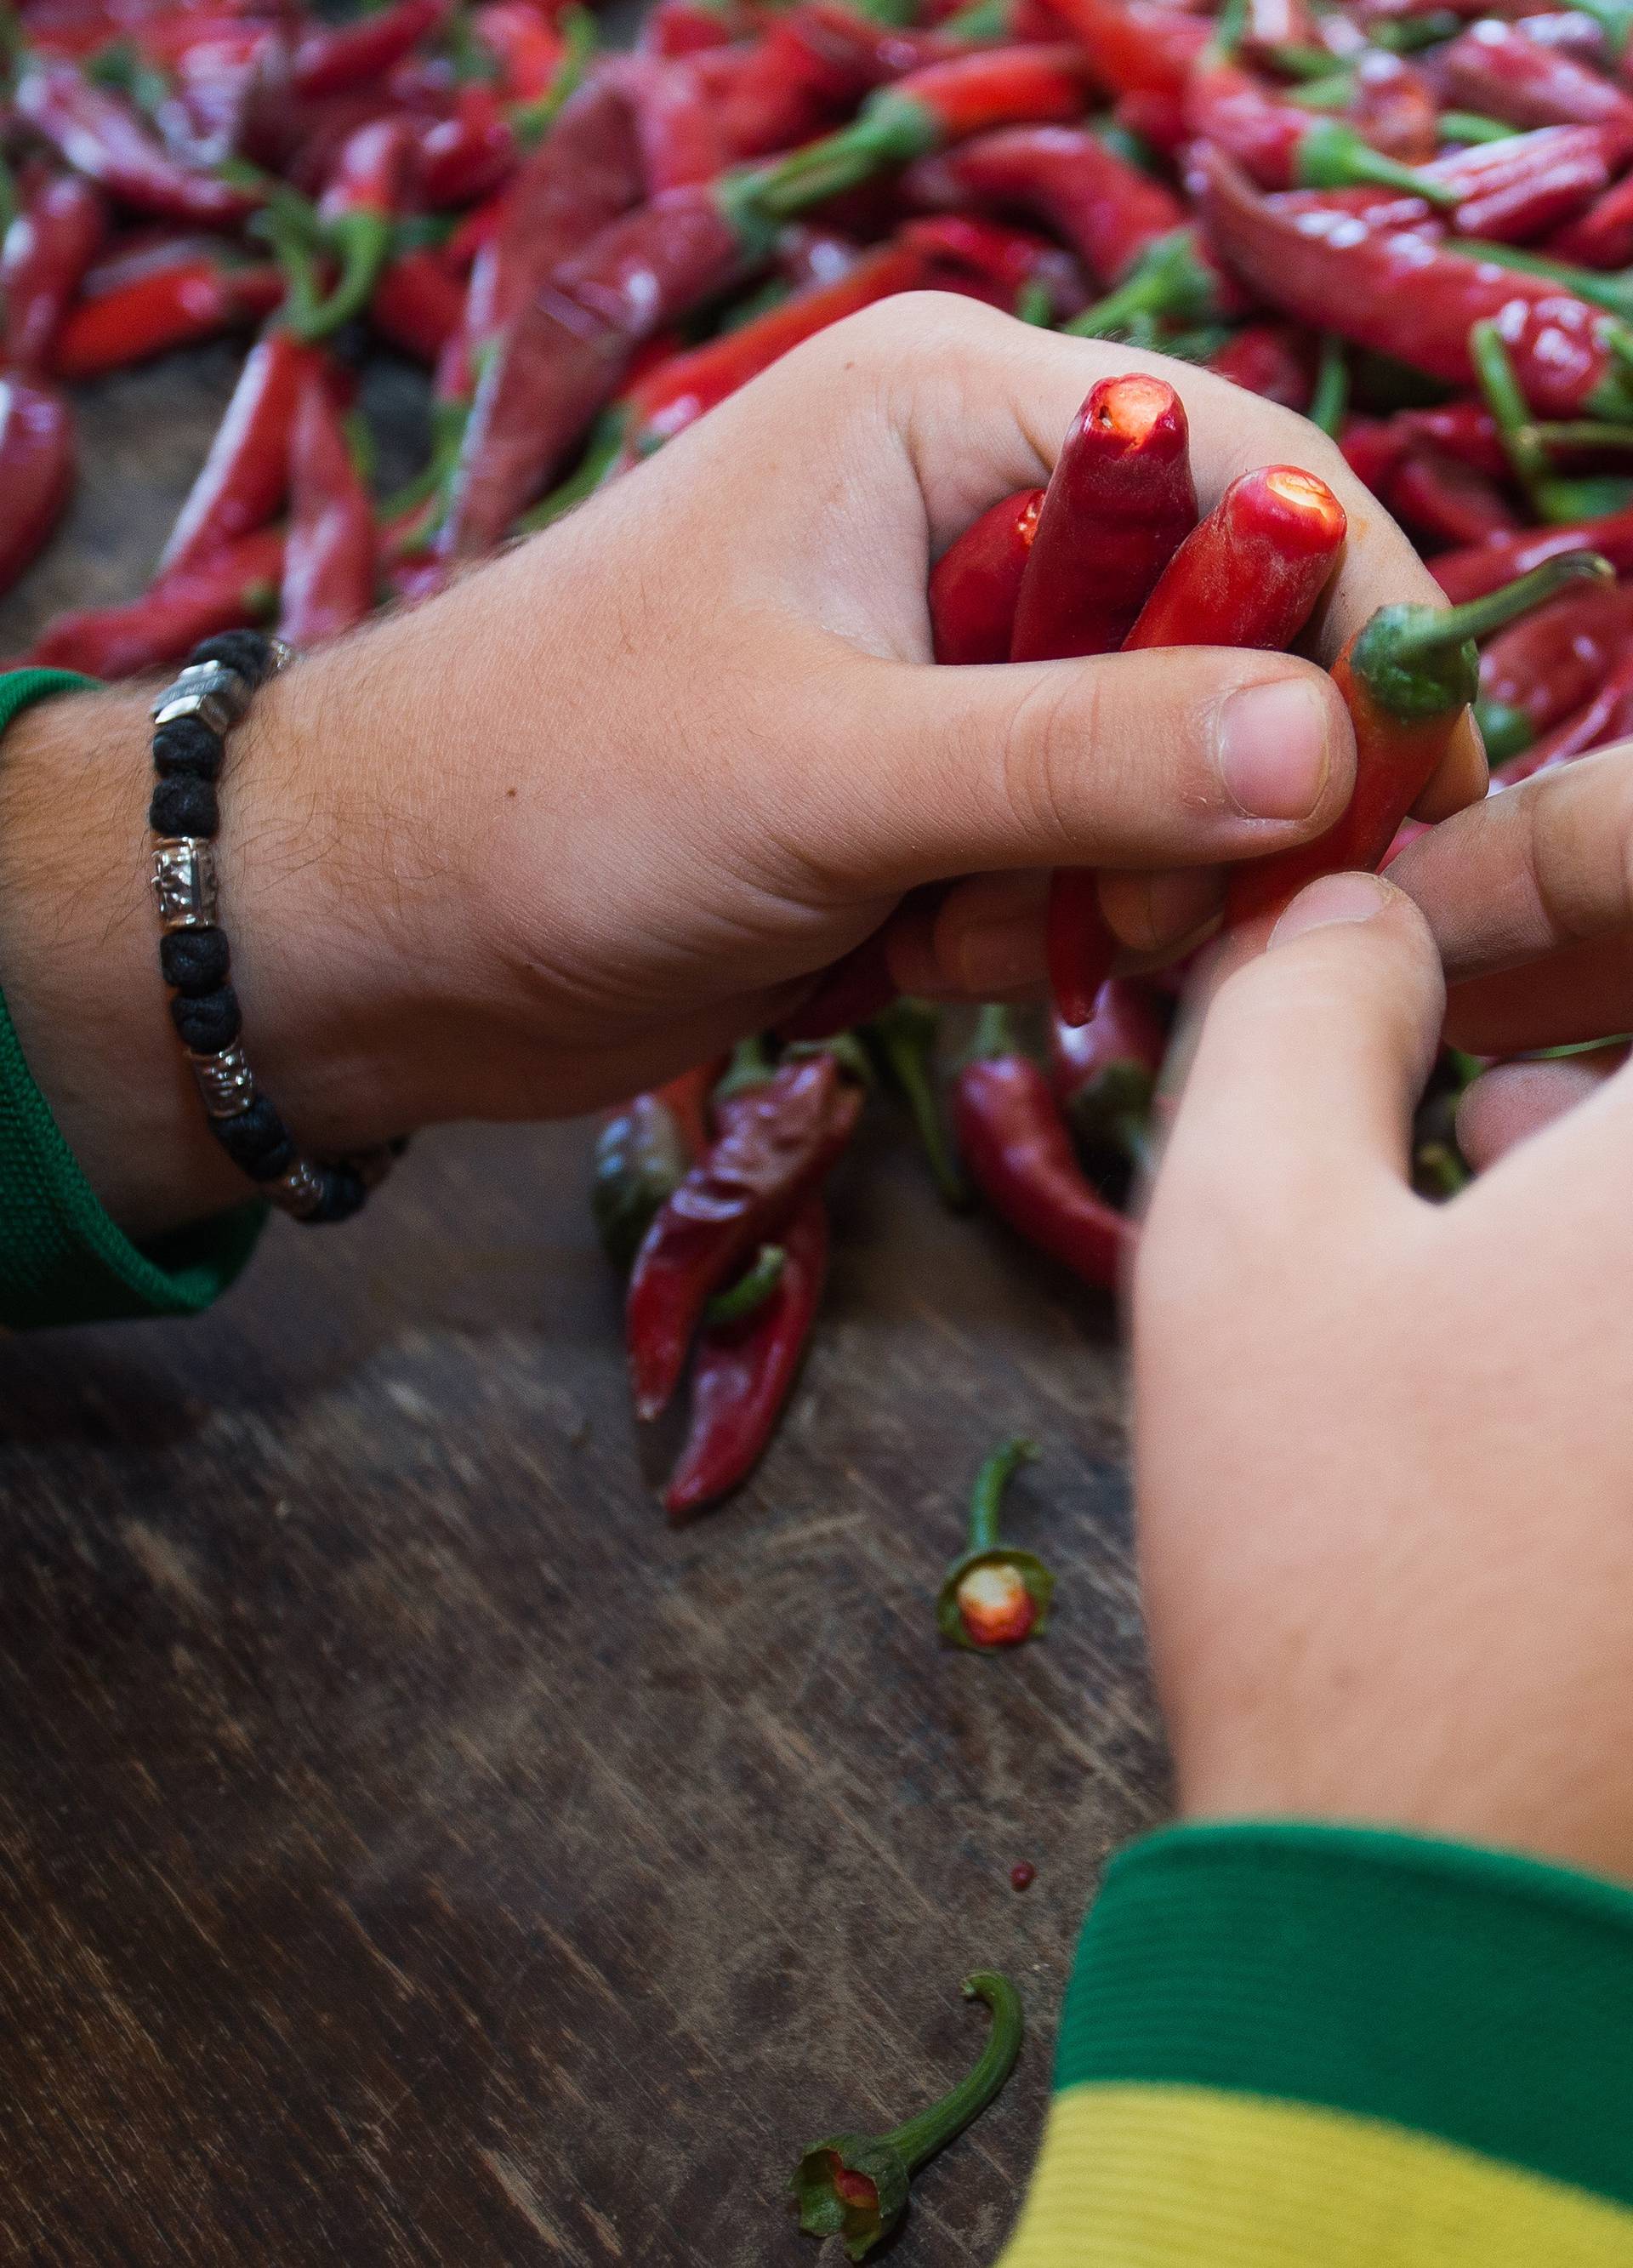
1309	2047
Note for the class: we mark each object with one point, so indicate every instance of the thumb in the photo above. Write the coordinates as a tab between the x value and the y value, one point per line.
1185	756
1296	1112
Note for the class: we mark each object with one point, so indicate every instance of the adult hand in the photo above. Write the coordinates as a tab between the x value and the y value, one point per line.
1383	1463
623	795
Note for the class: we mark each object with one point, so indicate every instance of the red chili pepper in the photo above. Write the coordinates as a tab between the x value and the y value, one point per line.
783	1139
1463	430
679	130
234	588
356	215
45	255
1546	667
1602	236
1272	360
743	1372
1285	148
1372	447
468	153
1392	106
335	58
101	137
675	28
988	260
1250	573
1157	119
1482	567
975	585
332	548
419	302
173	296
1403	295
1492	68
1104	1072
1608	717
1406	676
1444	501
36	470
244	480
1108	211
678	392
1014	1141
1515	190
525	43
1135	47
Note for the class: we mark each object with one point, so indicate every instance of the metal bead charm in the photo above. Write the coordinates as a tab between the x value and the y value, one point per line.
298	1192
225	1083
184	881
209	690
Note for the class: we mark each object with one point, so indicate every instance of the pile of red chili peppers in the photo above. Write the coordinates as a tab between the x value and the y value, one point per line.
1411	221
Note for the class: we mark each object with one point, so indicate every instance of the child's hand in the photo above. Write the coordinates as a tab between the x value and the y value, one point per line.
1386	1471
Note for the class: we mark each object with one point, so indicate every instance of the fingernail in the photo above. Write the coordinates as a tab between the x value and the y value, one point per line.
1273	748
1001	956
1335	898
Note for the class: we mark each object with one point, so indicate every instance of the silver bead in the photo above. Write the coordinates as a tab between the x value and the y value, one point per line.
209	690
184	881
298	1192
280	653
225	1082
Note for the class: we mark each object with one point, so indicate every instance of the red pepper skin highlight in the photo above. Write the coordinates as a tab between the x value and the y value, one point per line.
1494	70
1019	1153
975	585
1512	192
331	550
1602	236
229	591
101	137
36	470
47	253
132	310
244	478
1135	47
1103	1072
743	1373
781	1140
1107	209
1547	667
1607	716
1398	291
1251	572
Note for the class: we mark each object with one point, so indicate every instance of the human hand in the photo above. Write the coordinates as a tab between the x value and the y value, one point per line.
622	795
1382	1459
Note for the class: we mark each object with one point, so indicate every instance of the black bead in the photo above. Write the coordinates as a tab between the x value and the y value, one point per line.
184	806
187	747
194	961
209	1023
248	652
344	1194
257	1140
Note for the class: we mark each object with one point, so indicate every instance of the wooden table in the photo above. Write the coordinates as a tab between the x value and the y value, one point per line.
410	1850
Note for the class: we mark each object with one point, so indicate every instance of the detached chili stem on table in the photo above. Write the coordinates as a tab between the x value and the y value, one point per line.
994	1595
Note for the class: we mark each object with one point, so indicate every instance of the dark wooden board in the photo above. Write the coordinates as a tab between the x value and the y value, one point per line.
413	1851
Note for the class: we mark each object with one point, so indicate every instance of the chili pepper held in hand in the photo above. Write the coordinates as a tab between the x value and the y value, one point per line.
994	1595
1014	1142
333	58
132	309
331	550
101	137
975	585
244	480
36	470
855	2186
784	1138
744	1368
640	1159
1251	572
230	591
48	249
1405	677
1401	294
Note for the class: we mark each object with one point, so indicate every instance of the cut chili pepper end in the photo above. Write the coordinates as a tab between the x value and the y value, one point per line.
993	1596
995	1605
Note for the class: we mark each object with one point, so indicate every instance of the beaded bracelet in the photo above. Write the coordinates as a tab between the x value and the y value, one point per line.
191	720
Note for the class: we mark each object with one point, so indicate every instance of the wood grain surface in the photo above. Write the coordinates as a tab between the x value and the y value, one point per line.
411	1851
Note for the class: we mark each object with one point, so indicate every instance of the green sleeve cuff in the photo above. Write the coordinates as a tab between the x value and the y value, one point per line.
62	1260
1469	1995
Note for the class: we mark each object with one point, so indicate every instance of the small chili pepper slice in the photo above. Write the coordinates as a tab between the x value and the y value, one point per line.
244	478
1406	676
855	2186
36	470
47	252
332	549
784	1138
744	1368
230	591
994	1595
975	585
1016	1144
335	58
101	137
132	308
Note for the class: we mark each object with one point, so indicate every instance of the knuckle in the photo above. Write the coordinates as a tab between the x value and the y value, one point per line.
1051	745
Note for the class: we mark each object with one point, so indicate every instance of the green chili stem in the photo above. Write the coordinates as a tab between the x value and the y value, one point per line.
1505	399
1332	156
1438	631
1404	36
529	121
1615	21
1035	303
1331	397
751	1290
908	1031
1613	291
1168	280
890	129
1308	64
751	1065
1332	94
1468	126
1506	731
1442	1167
987	1497
1583	433
993	1034
921	2138
982	20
